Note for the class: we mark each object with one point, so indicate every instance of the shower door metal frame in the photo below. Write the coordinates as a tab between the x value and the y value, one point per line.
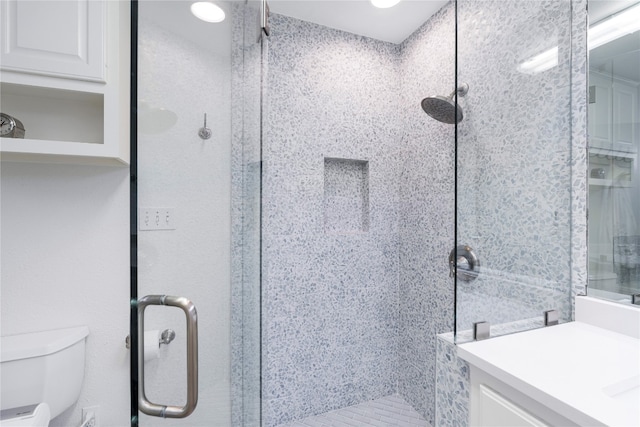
133	222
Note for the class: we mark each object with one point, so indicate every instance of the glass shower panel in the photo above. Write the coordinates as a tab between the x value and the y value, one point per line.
246	211
198	195
513	163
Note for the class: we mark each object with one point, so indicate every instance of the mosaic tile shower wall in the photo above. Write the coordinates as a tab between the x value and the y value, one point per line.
515	137
452	385
427	207
335	267
330	282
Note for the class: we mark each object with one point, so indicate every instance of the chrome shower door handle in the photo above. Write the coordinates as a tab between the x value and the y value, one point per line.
168	411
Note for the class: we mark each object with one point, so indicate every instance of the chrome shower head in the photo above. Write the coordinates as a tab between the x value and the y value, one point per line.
442	109
445	109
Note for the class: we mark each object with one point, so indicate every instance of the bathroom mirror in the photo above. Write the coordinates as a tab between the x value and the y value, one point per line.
614	139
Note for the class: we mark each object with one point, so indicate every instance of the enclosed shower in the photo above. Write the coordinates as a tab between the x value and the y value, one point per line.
341	200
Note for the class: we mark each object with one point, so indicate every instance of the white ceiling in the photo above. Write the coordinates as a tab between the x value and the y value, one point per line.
175	16
361	17
394	25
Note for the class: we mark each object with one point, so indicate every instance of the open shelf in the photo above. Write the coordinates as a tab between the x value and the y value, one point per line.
55	115
50	151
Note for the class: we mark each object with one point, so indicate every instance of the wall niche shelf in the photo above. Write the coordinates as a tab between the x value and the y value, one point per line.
346	196
70	118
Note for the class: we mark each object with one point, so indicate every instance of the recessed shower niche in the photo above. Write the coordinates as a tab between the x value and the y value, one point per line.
346	195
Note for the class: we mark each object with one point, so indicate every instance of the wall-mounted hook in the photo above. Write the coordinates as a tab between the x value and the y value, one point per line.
205	132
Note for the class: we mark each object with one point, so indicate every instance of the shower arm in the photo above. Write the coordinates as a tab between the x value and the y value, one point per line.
462	90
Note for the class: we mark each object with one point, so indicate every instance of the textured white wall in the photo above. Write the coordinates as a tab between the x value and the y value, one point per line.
65	262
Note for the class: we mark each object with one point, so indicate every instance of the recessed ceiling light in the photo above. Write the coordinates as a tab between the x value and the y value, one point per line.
207	11
384	4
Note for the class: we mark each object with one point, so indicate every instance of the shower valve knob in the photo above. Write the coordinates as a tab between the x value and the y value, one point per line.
463	263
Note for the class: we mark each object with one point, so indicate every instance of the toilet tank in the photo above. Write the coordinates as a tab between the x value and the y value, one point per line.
41	367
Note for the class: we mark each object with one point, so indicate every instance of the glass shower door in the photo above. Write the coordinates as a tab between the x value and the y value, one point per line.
197	89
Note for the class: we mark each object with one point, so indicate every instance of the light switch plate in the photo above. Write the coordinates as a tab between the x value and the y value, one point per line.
150	219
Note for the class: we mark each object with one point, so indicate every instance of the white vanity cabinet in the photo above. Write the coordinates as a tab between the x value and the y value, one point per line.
495	404
572	374
64	73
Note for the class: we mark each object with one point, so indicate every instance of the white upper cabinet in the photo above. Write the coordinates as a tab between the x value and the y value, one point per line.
613	113
600	111
625	115
65	74
57	38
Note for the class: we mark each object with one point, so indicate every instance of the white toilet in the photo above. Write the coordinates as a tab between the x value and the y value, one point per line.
41	375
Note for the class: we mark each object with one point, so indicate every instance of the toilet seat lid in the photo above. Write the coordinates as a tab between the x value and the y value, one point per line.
26	416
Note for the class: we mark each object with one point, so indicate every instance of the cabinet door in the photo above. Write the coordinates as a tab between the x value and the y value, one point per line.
625	116
600	114
63	38
496	411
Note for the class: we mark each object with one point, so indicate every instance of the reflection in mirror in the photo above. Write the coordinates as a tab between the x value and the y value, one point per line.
614	185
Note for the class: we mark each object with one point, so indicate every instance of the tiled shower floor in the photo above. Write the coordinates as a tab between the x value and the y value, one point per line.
387	411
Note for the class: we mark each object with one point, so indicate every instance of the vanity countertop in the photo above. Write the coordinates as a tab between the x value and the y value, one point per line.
587	374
